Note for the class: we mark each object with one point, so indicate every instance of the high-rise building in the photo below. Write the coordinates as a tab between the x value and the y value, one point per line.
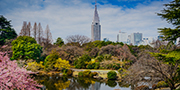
136	38
96	27
122	37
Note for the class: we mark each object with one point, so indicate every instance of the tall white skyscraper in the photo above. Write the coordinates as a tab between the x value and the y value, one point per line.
96	27
122	37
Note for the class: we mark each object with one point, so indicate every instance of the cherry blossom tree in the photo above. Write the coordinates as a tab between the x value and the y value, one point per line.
13	77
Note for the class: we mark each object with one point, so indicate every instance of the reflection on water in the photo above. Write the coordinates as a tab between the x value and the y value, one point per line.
71	83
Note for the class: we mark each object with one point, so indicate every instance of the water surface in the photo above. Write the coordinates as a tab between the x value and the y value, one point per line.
72	83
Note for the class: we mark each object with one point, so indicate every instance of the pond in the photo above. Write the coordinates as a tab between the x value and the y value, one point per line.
81	83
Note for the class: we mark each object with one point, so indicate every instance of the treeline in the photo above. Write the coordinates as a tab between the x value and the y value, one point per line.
42	37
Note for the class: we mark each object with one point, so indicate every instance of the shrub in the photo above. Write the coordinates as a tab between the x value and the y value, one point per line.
100	58
161	84
90	66
69	72
60	64
80	74
111	75
93	74
97	65
143	87
86	73
34	66
80	63
51	60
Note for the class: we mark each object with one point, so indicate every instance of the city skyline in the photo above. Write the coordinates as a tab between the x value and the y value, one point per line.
70	17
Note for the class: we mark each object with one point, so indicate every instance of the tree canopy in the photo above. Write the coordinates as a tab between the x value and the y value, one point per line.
25	47
6	32
172	15
59	42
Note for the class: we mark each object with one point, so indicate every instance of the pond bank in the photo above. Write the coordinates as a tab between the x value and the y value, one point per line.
102	74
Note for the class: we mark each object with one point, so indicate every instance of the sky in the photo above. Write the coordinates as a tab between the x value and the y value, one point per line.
74	17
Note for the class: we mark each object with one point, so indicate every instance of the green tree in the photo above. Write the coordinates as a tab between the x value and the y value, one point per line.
50	60
80	62
59	42
25	47
172	15
6	32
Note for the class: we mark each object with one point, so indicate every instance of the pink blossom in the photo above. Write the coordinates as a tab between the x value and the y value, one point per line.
14	77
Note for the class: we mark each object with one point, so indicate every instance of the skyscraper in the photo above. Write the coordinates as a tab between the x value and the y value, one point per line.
96	27
136	38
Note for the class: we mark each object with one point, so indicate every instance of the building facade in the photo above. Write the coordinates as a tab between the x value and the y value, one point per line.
96	27
136	38
122	37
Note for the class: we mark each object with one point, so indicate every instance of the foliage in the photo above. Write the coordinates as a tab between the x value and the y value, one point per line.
34	66
59	42
94	52
80	74
161	84
97	65
111	75
25	47
71	53
14	77
50	60
80	63
143	87
61	64
69	72
123	72
6	32
172	15
100	58
172	60
113	64
86	73
111	83
109	49
90	66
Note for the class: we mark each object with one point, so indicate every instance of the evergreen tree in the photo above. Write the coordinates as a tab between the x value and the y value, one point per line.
172	15
59	42
6	32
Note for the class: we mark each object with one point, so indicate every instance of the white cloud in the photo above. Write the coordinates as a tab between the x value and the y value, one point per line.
69	17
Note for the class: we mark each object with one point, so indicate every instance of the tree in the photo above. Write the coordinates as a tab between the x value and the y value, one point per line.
25	47
26	29
164	66
47	37
39	34
70	53
172	15
59	42
51	60
6	32
80	39
35	31
14	77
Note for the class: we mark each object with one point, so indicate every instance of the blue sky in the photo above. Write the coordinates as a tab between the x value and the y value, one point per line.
71	17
